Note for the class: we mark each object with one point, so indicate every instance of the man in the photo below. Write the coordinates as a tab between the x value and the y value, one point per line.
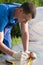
10	14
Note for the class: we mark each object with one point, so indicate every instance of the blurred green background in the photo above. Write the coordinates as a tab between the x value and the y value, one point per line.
37	2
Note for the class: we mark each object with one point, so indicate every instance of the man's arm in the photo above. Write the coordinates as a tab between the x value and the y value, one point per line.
25	35
3	47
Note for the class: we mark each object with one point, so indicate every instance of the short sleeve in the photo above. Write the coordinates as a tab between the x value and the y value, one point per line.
3	17
3	23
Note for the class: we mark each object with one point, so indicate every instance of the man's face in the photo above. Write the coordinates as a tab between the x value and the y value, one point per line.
22	17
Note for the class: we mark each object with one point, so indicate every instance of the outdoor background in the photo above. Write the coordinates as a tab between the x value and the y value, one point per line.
16	34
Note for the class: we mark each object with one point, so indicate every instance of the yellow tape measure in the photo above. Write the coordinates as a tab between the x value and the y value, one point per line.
12	62
9	62
30	61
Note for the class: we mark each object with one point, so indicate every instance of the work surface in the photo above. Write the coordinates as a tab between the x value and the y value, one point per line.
38	61
36	47
12	61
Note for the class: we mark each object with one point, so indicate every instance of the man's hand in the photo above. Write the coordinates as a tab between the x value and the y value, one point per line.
19	55
32	55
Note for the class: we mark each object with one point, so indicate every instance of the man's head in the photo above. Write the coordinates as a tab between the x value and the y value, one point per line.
26	12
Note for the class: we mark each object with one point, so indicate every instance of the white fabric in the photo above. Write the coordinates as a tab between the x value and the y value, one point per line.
19	55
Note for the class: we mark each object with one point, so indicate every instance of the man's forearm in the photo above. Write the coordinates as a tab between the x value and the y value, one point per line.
25	40
5	49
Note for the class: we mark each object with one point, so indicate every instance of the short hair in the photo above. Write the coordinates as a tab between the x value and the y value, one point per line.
29	7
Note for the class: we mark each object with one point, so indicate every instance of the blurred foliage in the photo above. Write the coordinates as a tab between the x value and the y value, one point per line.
36	2
16	41
41	2
16	30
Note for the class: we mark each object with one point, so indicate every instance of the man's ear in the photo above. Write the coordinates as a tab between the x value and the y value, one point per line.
30	16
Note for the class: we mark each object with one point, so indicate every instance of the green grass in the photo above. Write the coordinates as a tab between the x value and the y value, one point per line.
16	41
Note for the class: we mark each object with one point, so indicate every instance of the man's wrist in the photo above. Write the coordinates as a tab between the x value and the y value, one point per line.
13	53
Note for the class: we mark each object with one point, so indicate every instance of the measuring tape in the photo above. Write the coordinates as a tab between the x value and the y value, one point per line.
30	61
12	62
9	62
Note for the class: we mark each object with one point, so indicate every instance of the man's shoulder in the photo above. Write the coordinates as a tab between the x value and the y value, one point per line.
13	4
3	6
3	10
17	4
